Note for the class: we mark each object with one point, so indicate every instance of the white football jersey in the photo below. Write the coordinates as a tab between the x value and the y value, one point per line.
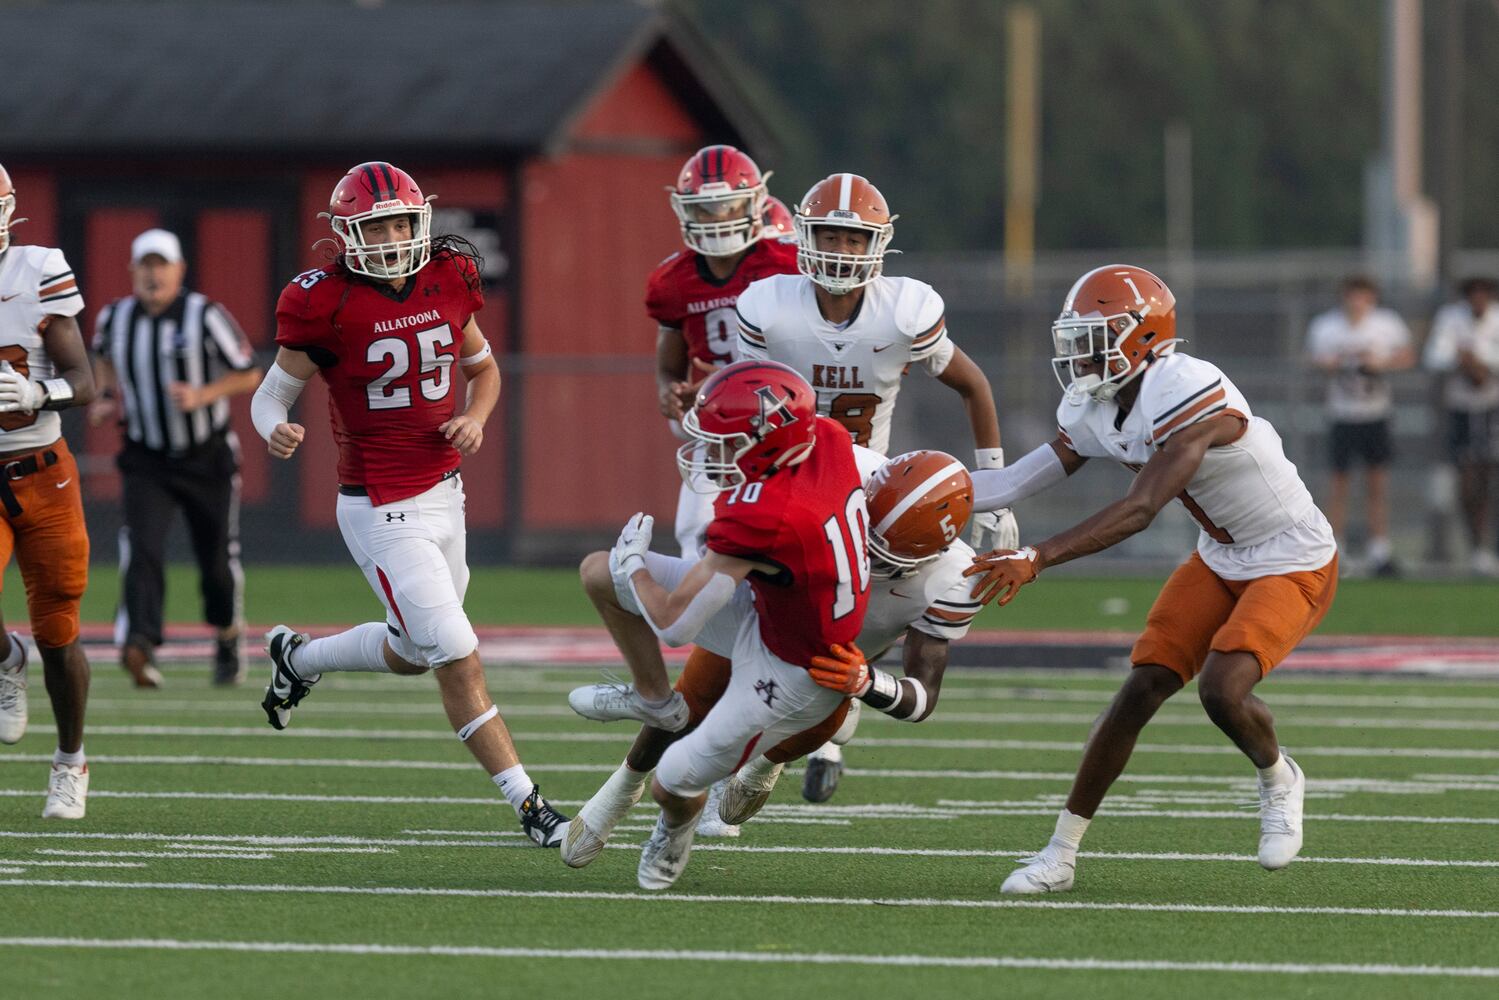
1353	395
1257	517
855	370
35	282
935	598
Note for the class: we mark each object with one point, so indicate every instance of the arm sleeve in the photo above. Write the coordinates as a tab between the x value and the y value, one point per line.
1035	471
58	292
707	602
273	400
228	340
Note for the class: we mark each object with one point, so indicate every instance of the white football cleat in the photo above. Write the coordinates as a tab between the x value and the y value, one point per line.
67	792
614	702
287	687
588	831
710	823
1280	819
13	712
1052	870
664	856
747	791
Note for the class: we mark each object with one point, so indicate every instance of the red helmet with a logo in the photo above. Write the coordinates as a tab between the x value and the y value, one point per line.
776	220
377	190
719	198
751	419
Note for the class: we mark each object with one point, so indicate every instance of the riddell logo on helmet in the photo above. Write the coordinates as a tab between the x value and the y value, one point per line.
392	203
842	213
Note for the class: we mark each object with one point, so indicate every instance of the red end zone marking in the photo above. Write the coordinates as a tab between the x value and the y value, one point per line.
391	597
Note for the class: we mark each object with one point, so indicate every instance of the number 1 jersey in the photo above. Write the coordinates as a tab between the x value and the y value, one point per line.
389	360
809	522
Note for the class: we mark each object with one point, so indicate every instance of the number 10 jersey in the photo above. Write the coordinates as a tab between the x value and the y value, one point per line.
389	360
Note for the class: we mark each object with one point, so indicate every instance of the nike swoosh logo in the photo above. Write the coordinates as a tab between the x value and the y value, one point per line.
879	349
896	593
7	298
63	483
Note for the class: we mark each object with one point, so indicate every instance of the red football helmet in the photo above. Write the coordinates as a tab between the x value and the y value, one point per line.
377	190
776	219
918	504
7	207
719	198
751	419
1116	320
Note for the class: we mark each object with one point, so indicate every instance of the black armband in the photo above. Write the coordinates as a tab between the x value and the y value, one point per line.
59	393
888	694
884	691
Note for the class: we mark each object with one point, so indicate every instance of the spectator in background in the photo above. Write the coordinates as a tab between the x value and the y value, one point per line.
172	358
1464	345
1358	345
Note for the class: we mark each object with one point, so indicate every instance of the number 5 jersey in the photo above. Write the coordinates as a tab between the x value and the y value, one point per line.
388	358
1256	515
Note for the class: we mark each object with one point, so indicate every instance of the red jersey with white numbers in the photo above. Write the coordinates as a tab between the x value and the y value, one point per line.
810	522
389	360
682	293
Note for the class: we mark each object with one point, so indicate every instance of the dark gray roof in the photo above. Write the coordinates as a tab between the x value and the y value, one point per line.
283	78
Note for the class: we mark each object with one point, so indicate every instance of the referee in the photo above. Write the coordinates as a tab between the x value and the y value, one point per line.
171	358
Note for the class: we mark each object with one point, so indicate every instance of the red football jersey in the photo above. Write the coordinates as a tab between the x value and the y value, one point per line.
810	520
681	292
389	360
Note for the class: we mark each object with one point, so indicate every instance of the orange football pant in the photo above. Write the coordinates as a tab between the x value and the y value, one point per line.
50	543
1199	612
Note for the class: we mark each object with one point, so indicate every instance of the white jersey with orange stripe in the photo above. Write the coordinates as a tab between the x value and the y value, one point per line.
855	369
934	598
1257	516
35	283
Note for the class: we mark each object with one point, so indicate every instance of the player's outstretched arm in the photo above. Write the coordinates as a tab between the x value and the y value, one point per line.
910	698
74	382
1037	470
270	407
482	373
679	615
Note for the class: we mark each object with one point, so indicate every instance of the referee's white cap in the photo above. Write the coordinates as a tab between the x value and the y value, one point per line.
159	242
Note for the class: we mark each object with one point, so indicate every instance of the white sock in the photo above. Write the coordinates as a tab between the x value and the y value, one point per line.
17	653
516	785
828	751
361	648
614	799
1069	832
74	759
1379	550
1279	773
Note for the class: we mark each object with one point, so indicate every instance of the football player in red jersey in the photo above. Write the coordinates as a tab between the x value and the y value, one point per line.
785	576
724	210
385	325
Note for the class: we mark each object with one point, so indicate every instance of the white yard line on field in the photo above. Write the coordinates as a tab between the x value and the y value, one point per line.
1275	697
214	840
30	862
584	895
1068	746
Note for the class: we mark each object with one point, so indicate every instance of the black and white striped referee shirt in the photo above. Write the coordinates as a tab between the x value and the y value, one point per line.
194	341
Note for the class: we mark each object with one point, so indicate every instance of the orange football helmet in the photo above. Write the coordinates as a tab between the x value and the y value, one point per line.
7	208
844	201
1117	320
918	505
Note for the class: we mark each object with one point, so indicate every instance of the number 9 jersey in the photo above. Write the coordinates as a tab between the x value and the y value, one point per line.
683	294
389	360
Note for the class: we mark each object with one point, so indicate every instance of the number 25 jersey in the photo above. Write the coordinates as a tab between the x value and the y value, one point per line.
809	522
389	361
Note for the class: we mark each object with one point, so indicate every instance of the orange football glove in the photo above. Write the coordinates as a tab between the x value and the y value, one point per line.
844	671
1005	572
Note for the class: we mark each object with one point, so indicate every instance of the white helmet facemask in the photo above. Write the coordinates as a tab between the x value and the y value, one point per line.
389	260
709	463
720	221
7	209
841	273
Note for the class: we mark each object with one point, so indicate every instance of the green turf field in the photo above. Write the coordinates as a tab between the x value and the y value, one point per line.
332	595
360	854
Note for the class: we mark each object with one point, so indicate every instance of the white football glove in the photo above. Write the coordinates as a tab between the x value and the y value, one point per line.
628	554
994	529
17	392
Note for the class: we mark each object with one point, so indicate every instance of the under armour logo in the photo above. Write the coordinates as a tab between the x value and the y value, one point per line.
772	405
395	515
431	290
767	692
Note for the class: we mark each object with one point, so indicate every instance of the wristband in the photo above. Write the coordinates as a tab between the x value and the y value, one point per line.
989	458
59	394
883	690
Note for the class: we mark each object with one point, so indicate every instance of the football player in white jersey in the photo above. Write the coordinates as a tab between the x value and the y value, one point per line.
1262	577
918	505
44	368
853	333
